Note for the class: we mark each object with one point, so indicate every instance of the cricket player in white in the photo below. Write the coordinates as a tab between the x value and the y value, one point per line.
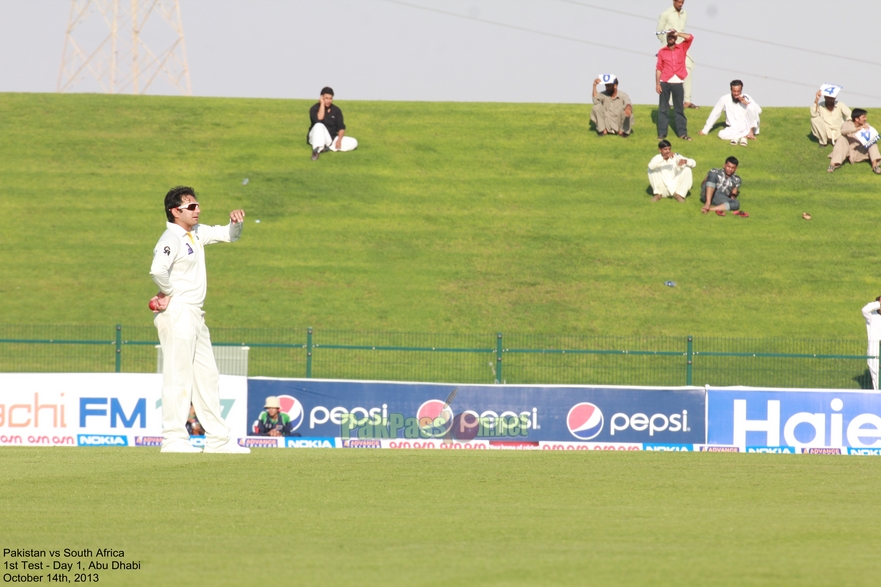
873	330
189	372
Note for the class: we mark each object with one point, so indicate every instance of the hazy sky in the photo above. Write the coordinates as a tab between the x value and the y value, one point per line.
481	50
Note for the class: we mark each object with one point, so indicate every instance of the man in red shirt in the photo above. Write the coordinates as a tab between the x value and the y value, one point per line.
670	73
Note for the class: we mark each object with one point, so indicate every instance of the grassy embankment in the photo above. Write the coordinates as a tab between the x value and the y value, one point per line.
455	218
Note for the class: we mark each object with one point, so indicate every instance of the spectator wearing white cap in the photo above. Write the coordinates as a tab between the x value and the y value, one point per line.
612	110
827	118
272	421
194	428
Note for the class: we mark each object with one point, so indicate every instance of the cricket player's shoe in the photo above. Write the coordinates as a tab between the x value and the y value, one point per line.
228	447
179	446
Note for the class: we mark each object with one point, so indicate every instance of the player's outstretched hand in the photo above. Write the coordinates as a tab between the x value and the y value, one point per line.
237	216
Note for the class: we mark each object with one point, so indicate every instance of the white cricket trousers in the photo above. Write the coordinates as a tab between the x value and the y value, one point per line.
189	374
872	351
319	136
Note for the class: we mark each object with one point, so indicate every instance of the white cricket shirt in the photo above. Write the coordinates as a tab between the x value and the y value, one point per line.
179	259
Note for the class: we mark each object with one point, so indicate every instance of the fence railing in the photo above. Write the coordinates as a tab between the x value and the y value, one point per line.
460	358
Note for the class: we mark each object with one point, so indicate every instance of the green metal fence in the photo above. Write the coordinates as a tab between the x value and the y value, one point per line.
460	358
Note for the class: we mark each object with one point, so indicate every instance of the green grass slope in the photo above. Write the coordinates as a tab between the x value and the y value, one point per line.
449	217
342	517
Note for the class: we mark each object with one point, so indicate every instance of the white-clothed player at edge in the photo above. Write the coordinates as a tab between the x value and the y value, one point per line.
189	373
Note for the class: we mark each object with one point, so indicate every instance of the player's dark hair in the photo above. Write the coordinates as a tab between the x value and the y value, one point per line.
736	82
327	90
174	198
856	113
732	160
664	143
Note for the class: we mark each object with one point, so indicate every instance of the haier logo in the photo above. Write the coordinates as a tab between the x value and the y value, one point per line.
796	419
92	407
101	440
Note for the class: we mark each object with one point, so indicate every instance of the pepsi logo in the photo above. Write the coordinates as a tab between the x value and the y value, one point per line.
434	419
293	408
585	421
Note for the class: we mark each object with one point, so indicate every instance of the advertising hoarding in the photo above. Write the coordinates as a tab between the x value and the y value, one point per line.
756	420
512	414
96	409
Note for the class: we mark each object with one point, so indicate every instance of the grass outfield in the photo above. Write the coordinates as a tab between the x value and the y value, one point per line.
343	517
450	217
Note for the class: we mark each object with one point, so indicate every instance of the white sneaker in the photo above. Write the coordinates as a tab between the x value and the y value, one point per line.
179	447
228	447
743	142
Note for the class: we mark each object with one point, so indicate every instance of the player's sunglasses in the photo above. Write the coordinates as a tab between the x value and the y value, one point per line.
191	207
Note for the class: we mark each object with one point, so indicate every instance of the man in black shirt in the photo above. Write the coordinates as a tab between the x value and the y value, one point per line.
327	130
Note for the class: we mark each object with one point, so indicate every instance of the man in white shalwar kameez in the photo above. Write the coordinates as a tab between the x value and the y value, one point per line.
741	116
670	173
873	329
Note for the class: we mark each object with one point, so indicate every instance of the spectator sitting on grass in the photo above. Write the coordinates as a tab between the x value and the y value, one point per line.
670	173
859	142
742	115
720	189
827	118
327	130
612	111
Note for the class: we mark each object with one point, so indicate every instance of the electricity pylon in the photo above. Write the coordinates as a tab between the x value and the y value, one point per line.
107	40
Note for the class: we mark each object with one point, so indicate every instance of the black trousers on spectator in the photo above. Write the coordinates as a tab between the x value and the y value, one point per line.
678	94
